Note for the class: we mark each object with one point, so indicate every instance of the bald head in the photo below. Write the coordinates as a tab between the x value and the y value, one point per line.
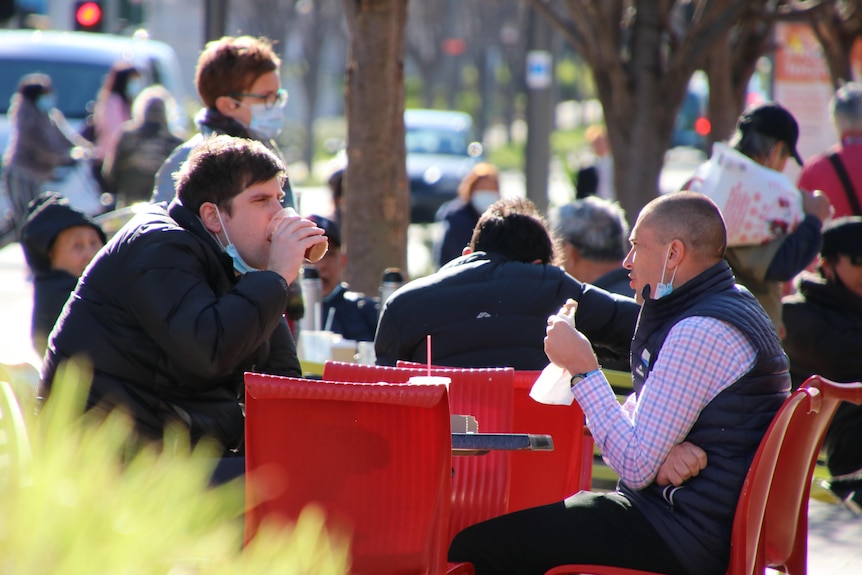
692	218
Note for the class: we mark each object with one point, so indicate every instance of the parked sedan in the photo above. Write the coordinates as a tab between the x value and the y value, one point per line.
441	150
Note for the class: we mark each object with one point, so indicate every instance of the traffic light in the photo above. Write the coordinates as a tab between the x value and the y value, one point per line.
88	16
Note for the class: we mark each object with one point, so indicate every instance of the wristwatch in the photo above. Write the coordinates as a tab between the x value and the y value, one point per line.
578	377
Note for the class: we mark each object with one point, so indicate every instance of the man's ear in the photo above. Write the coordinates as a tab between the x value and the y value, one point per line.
226	105
676	253
210	217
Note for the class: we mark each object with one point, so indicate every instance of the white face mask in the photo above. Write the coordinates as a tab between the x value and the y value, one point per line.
482	199
268	122
663	289
239	264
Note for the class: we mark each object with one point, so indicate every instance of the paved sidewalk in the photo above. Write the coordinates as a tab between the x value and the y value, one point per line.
834	535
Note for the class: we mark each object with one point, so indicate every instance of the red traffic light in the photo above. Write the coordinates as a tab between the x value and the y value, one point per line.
702	126
88	16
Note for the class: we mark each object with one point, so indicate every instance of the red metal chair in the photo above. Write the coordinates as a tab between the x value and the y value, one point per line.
545	477
375	458
480	486
770	527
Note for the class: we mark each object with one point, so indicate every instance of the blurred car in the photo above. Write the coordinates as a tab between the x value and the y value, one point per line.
441	150
77	63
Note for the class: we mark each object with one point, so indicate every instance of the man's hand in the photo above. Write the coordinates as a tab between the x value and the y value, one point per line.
291	236
684	461
817	204
566	347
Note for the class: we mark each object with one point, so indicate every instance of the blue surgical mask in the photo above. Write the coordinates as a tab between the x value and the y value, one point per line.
268	122
134	87
239	264
482	199
46	102
663	289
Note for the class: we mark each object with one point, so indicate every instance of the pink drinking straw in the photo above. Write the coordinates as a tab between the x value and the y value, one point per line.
428	352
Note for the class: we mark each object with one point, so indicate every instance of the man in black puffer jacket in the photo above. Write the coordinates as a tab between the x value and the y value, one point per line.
490	306
187	297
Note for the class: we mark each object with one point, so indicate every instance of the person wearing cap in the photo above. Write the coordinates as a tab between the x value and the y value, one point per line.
824	337
838	172
58	243
40	141
349	313
768	134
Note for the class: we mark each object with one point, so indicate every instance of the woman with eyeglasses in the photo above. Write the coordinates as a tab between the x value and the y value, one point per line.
824	336
238	81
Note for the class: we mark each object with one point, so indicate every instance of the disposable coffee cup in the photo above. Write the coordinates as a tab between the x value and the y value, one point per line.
431	380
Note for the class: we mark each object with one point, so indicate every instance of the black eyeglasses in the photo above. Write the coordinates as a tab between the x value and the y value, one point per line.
855	260
276	99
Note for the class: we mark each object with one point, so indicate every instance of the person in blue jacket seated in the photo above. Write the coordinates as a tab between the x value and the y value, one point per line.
349	313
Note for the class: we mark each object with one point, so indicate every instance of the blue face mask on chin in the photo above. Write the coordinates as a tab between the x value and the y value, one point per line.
239	264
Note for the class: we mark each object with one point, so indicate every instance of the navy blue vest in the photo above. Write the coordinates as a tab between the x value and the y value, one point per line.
696	518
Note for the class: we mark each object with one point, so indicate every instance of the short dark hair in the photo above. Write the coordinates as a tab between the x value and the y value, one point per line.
512	227
221	167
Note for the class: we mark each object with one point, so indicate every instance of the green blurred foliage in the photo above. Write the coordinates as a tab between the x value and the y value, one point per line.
85	503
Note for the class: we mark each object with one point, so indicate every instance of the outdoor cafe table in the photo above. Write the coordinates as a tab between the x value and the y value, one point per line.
482	443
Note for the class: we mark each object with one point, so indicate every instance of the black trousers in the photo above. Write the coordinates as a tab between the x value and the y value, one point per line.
588	528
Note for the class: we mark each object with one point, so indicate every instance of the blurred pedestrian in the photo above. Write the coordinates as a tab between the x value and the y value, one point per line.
839	172
144	143
350	313
478	190
767	135
40	141
336	187
824	337
113	108
58	243
597	176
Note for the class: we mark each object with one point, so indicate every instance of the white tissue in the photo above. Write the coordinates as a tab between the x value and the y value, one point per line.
553	386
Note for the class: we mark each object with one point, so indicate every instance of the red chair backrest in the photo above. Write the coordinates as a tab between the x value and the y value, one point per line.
545	477
770	528
375	458
480	486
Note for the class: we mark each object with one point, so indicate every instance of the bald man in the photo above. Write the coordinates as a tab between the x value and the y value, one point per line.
708	373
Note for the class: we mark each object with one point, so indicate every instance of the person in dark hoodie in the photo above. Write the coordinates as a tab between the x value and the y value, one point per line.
58	242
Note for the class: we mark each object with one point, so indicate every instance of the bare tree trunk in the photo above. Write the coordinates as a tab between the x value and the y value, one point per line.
377	209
